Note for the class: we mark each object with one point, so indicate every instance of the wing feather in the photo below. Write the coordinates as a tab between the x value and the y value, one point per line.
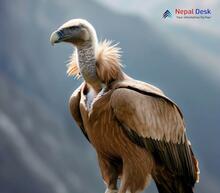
149	116
75	110
156	124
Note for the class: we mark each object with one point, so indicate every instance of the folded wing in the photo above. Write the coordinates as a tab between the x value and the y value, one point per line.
155	123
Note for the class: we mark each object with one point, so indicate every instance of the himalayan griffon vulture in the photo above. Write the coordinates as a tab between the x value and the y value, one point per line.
136	130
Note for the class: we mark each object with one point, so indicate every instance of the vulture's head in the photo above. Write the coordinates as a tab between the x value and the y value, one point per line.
75	31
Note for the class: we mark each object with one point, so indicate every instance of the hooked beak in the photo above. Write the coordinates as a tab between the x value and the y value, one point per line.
56	37
61	35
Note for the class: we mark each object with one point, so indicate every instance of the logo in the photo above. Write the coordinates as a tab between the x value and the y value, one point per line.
193	13
166	14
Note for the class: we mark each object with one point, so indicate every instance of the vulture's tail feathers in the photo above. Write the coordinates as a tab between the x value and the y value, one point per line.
172	186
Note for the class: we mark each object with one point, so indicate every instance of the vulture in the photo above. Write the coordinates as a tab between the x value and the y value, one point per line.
137	131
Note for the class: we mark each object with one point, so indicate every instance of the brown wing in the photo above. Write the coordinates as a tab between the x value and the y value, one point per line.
156	124
75	111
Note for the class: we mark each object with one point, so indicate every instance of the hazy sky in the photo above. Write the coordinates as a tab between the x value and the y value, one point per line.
153	10
197	38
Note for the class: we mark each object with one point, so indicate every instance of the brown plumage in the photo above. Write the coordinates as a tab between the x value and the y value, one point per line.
137	131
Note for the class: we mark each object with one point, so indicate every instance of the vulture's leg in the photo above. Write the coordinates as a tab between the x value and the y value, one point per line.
134	177
110	173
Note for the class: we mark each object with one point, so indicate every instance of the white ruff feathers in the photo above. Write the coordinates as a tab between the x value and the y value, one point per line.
108	64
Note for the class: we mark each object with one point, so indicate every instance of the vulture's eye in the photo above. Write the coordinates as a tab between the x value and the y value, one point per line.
74	27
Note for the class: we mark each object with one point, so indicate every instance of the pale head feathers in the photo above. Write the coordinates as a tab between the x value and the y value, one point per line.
77	22
108	63
85	24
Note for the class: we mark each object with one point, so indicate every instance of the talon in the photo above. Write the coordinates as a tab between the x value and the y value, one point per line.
111	191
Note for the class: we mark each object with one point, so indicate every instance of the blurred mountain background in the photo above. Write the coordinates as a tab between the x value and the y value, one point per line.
41	149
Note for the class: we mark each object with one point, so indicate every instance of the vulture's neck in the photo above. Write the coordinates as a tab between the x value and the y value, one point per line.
87	64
